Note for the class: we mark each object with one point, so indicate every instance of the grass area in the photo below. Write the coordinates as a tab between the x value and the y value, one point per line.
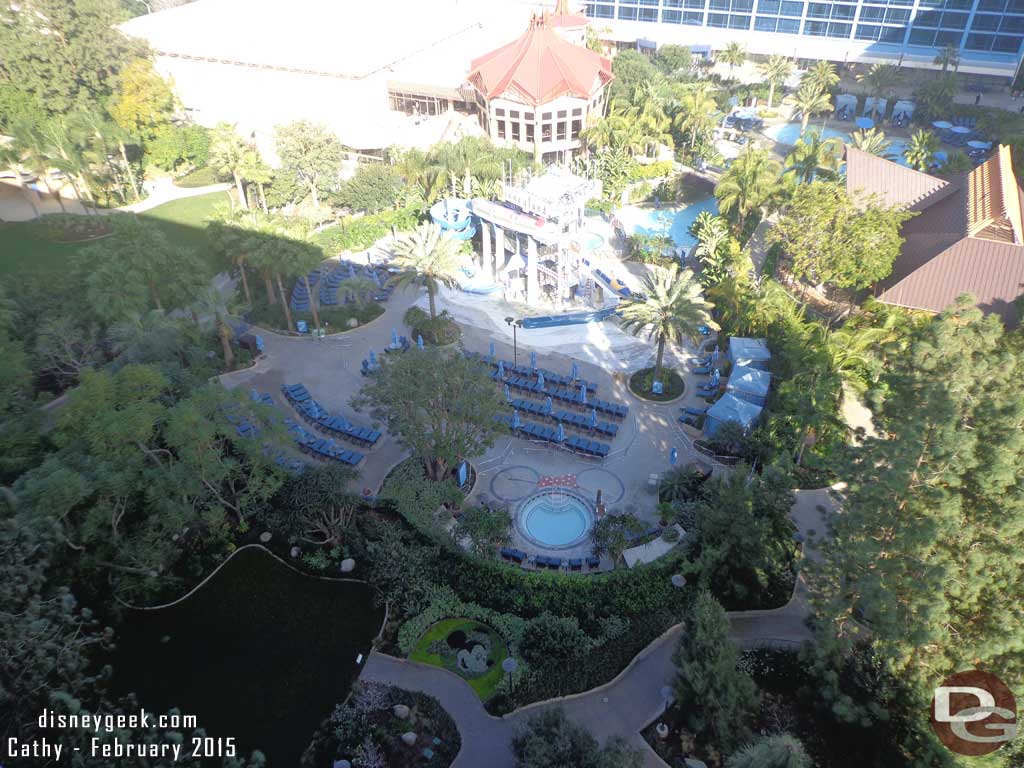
640	385
427	651
336	319
24	247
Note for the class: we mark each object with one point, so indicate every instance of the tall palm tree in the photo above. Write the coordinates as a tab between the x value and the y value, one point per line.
696	115
921	149
775	71
227	151
34	156
63	143
252	168
878	80
214	304
957	162
872	141
733	54
820	77
809	101
749	184
670	308
428	258
948	57
814	157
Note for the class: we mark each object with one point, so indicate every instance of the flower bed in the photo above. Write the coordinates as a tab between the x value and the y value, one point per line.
640	385
468	648
70	228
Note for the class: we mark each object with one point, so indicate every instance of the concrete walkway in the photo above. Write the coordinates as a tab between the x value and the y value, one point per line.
630	702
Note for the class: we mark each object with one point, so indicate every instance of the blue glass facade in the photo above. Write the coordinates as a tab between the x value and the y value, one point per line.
982	29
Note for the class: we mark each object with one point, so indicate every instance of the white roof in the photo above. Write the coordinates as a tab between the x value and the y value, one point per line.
646	553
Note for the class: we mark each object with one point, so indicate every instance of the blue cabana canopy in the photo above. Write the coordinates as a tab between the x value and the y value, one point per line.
730	408
750	384
750	352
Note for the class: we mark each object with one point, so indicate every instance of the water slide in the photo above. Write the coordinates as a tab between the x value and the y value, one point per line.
454	217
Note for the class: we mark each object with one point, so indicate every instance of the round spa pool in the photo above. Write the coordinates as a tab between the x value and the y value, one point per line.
555	518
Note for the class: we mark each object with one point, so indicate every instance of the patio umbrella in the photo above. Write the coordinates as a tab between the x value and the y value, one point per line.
960	129
714	355
942	125
490	350
373	359
419	340
716	376
508	394
540	380
575	372
561	433
516	423
549	407
501	369
979	144
394	338
583	393
673	457
864	123
533	360
593	418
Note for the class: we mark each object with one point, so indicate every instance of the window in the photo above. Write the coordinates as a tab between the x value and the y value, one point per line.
955	20
1012	24
789	26
648	14
501	129
598	11
545	132
515	131
626	13
717	20
927	19
529	132
1007	43
765	23
743	6
739	22
693	17
985	21
792	8
696	4
577	126
948	37
892	35
562	131
996	6
922	36
563	113
514	114
577	113
769	6
979	42
546	116
868	32
672	17
836	29
499	112
718	5
897	16
817	11
867	13
816	28
1015	6
844	12
528	117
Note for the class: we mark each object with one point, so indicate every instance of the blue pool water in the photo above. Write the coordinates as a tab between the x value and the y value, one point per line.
595	241
555	518
788	133
674	222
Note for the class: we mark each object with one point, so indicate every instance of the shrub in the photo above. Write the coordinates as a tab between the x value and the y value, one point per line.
200	177
355	234
174	146
641	192
437	332
651	170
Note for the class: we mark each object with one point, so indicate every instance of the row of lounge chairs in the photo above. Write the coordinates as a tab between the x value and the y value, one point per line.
300	296
346	270
319	417
577	420
555	563
548	435
307	443
550	376
246	429
567	396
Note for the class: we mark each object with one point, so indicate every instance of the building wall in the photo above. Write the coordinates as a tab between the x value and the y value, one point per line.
557	124
988	33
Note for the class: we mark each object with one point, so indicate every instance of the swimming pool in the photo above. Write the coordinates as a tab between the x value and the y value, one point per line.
555	518
788	133
595	240
674	222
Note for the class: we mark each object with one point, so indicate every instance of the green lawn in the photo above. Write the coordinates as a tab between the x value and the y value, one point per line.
184	222
484	685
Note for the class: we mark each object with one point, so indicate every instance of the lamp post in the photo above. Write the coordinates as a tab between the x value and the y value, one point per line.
510	665
514	324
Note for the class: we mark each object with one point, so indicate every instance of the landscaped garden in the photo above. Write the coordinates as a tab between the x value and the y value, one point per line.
468	648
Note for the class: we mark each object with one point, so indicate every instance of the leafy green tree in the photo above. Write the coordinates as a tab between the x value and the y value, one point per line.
486	529
173	146
815	157
879	81
550	740
548	640
872	141
440	406
673	59
749	184
935	97
227	153
734	54
719	697
320	505
696	115
669	309
311	153
613	534
64	53
921	149
924	559
809	101
775	70
375	187
780	751
713	237
143	100
631	68
427	257
18	106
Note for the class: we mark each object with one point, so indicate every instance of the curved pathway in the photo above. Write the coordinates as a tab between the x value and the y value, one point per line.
630	702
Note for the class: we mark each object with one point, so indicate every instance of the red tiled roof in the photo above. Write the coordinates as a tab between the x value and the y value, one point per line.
963	240
539	67
562	17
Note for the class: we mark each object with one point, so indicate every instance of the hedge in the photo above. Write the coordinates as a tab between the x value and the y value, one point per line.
651	170
355	234
445	604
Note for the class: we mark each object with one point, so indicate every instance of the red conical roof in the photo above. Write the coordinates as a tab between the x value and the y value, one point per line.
539	67
562	17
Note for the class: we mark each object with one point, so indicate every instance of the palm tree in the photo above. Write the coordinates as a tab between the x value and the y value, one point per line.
775	71
696	115
948	57
957	162
748	184
212	303
733	54
813	156
62	143
808	102
670	307
820	77
921	149
227	151
872	141
252	167
428	258
878	80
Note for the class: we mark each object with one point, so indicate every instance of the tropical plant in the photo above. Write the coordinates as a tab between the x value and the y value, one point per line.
775	71
921	149
712	236
776	751
879	80
670	308
814	157
809	101
429	258
948	57
613	534
821	76
227	155
748	185
734	54
696	115
252	168
956	162
872	141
